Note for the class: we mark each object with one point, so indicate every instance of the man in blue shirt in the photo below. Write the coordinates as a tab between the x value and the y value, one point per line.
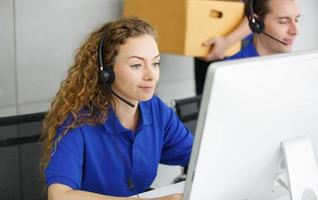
274	27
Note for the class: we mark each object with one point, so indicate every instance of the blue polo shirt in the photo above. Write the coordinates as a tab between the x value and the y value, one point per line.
112	160
248	51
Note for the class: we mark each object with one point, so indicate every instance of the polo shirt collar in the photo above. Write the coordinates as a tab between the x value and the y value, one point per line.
145	111
112	120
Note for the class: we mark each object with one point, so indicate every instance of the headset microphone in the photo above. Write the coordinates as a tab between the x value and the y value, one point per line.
257	25
106	72
121	98
272	37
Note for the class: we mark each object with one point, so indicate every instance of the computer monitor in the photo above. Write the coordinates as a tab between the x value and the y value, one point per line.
249	107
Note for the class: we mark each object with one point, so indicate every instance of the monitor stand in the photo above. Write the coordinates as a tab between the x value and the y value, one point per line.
302	169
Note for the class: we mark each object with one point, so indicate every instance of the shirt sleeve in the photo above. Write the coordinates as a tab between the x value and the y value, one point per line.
178	140
65	165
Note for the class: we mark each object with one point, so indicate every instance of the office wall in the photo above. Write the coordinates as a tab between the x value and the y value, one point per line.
38	42
308	25
38	38
7	59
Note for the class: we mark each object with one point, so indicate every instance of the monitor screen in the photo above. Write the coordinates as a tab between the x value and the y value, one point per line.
248	108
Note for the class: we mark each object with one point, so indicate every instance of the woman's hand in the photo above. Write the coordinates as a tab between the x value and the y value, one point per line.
177	196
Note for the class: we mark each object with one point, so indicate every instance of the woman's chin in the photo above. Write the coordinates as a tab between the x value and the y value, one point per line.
146	97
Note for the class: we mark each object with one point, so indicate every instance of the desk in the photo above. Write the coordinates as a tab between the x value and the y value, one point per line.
175	188
163	191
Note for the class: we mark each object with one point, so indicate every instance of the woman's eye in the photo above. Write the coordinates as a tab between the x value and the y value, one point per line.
135	65
156	64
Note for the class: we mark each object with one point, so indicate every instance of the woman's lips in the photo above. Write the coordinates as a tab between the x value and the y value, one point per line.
147	88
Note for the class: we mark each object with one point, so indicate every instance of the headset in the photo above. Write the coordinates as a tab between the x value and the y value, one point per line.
107	74
257	25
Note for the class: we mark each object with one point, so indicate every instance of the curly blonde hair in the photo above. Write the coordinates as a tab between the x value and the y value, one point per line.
82	96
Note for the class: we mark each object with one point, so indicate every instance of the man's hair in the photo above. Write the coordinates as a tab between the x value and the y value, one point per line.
260	8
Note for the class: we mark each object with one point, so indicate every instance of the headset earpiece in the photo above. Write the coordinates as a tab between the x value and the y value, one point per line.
106	72
256	25
107	75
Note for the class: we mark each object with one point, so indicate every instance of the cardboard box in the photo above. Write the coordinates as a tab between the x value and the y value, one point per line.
183	25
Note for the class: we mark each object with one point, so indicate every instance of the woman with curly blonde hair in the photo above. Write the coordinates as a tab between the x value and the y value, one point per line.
106	132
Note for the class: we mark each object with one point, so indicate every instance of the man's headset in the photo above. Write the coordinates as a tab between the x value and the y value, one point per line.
107	74
257	25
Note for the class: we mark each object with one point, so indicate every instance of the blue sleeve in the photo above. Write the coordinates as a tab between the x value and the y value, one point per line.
65	165
178	140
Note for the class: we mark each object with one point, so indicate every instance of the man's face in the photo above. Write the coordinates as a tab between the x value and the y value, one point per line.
280	22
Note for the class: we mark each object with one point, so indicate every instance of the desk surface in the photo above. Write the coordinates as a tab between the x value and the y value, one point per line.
175	188
163	191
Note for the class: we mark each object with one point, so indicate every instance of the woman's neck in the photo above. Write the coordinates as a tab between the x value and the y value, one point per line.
127	115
